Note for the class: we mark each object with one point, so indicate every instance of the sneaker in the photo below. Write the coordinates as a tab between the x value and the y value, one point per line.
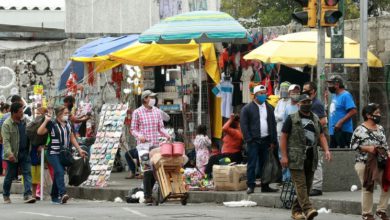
368	217
315	192
297	215
56	201
250	190
7	200
64	198
382	215
29	199
311	214
148	201
267	189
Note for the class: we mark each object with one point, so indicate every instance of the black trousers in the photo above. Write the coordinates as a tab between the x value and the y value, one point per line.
340	139
214	160
149	182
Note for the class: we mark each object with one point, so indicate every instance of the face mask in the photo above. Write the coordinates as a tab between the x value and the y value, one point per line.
305	108
376	119
65	118
261	98
152	102
332	89
295	97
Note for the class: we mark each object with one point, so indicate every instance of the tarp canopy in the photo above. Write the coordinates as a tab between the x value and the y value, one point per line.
96	48
300	49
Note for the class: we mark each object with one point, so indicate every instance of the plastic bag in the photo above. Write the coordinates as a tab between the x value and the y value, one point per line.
79	172
272	170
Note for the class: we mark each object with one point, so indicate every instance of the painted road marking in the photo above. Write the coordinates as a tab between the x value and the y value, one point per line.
46	215
136	212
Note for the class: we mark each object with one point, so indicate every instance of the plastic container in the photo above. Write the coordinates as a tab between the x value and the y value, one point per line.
178	149
166	149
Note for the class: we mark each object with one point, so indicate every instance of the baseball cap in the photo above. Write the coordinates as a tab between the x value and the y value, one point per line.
259	88
147	93
293	86
304	97
335	78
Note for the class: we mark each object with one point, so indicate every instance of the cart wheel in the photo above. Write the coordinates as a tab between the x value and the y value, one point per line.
184	201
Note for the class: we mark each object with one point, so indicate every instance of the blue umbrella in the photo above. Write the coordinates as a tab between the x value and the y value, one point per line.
99	47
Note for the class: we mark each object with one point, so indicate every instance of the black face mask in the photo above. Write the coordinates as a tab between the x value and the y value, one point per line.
305	108
332	89
376	119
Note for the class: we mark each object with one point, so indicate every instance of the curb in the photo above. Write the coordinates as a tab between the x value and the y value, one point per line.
271	200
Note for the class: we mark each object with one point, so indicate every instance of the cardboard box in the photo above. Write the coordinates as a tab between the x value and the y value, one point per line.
229	178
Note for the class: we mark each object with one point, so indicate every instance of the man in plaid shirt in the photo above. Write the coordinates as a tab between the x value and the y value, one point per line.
147	126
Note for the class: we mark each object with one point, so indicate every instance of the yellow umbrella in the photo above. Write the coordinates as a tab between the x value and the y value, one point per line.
300	49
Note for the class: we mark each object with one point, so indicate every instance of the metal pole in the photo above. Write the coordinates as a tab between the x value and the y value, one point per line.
320	53
337	41
150	13
363	85
200	86
42	171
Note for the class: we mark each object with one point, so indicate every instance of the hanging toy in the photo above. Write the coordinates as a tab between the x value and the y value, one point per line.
91	75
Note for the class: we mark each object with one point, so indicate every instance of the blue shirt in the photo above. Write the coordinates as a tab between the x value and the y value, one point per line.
318	108
341	104
290	109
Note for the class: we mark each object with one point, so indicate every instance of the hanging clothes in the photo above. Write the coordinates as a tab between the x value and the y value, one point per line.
237	93
246	77
226	88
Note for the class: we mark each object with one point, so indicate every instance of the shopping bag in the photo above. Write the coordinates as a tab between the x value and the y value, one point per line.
79	171
272	170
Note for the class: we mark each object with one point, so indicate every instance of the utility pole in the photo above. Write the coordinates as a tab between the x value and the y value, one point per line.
363	93
320	53
337	41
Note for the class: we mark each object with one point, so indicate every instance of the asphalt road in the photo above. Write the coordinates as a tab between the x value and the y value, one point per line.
85	210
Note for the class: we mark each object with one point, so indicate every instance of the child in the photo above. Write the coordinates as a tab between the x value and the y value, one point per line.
202	143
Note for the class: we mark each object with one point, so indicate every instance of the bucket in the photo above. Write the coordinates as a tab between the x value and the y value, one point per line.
178	149
166	149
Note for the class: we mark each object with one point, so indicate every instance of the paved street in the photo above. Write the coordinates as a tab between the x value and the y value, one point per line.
83	209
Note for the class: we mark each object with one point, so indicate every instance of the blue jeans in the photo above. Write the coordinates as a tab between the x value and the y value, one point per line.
24	162
130	162
58	188
257	153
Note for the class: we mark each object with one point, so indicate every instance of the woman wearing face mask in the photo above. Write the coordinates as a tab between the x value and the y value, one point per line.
294	92
369	140
61	136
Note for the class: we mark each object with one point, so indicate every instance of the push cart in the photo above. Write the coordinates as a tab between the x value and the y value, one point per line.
287	195
170	181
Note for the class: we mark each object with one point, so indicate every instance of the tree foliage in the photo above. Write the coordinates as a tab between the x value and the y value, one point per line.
262	13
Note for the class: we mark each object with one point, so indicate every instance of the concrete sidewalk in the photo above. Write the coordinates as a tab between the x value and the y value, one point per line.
339	202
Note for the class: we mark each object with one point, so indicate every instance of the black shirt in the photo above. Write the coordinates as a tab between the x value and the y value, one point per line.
308	126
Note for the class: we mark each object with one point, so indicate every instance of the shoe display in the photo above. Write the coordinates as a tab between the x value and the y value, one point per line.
29	199
297	216
315	192
311	214
382	215
250	190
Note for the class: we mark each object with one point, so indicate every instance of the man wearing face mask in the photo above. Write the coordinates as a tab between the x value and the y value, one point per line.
301	134
294	91
258	127
341	110
147	126
280	108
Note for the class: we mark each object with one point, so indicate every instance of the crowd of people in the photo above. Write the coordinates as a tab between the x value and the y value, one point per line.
293	131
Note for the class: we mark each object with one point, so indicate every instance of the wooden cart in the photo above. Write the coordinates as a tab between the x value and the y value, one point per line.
170	180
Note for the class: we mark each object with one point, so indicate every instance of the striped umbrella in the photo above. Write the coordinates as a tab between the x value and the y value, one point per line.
201	26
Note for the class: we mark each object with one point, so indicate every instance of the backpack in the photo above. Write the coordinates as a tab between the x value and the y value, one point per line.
32	129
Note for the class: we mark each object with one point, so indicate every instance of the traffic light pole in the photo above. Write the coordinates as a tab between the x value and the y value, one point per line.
337	41
320	55
363	93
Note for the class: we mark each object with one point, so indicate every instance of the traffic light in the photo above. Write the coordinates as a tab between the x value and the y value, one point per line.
330	13
307	17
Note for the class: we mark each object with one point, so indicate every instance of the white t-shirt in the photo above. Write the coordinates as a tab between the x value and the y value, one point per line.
226	94
263	120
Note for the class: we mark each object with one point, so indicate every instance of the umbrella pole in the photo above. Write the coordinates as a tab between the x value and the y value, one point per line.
200	86
42	172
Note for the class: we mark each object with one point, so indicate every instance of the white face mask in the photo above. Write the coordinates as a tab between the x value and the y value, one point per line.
65	118
152	102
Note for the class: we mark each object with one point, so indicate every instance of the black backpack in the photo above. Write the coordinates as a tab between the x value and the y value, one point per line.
31	130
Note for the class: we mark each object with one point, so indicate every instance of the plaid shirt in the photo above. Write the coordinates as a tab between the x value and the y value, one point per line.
147	123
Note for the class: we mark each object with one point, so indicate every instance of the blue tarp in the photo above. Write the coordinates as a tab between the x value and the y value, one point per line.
100	47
